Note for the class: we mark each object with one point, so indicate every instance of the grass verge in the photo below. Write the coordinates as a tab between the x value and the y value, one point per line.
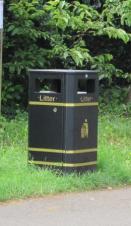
18	180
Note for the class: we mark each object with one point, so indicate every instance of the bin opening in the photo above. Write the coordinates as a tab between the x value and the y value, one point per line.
48	85
86	86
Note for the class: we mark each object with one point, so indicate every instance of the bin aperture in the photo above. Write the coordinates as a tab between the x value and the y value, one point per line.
63	111
48	85
86	86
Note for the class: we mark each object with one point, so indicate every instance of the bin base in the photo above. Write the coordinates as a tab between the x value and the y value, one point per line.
64	170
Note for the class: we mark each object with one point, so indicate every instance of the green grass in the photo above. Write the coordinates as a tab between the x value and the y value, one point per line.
18	180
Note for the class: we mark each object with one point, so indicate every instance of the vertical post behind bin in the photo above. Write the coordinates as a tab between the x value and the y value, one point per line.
1	46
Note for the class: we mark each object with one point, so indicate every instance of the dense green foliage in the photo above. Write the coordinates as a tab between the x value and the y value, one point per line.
64	34
19	180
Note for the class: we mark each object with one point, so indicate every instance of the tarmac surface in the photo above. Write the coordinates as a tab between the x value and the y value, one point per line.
95	208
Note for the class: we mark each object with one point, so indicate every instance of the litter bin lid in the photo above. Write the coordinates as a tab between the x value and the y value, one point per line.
62	70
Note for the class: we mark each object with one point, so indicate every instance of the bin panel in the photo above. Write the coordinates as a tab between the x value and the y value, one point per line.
85	127
46	127
86	88
45	157
81	128
45	133
46	87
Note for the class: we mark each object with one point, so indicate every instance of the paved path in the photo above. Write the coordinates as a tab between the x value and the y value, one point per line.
99	208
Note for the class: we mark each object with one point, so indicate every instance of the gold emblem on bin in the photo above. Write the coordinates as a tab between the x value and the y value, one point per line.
85	129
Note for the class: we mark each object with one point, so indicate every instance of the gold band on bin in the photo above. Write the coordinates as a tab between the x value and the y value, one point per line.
62	151
59	104
61	164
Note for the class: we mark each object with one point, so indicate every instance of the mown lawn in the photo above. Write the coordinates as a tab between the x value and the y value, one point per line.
19	180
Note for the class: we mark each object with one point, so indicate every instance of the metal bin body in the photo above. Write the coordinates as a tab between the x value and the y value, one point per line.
63	119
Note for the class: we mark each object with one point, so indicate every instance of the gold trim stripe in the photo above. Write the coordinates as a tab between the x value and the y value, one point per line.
38	103
62	151
61	164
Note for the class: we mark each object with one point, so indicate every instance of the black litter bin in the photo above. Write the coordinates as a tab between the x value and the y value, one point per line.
63	115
